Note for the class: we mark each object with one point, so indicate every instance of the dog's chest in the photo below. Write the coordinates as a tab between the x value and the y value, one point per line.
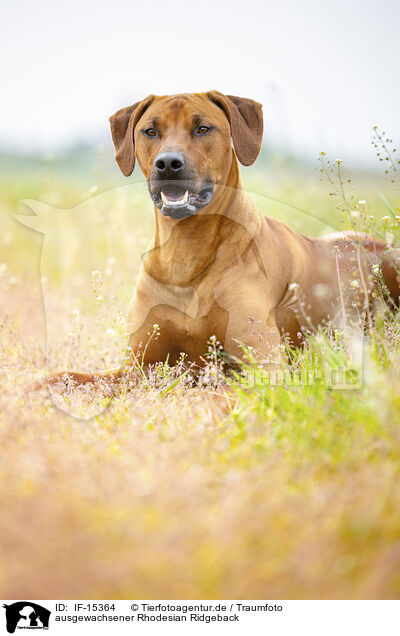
188	312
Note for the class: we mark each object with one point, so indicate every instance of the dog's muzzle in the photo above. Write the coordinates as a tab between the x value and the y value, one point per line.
178	198
173	186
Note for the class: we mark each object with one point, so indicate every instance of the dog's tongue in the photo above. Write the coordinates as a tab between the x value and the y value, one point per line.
173	192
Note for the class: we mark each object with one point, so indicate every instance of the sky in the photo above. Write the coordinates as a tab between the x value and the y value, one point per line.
325	72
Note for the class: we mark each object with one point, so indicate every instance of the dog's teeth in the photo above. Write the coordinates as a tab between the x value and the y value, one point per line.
175	201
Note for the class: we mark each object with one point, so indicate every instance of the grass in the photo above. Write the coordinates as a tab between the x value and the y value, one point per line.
176	490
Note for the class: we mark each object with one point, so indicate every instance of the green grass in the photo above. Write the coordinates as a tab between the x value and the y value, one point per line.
176	490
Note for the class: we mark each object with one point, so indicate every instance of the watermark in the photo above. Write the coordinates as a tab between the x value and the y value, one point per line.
270	616
332	378
26	615
89	255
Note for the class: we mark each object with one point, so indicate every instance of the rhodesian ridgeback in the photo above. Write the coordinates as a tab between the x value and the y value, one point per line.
216	266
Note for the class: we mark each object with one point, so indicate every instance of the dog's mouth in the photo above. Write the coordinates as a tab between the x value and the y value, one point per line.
180	199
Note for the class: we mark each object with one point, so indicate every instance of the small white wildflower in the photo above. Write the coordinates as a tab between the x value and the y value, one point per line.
355	214
111	261
156	329
389	238
320	290
385	219
355	284
293	286
96	272
376	269
76	312
8	238
110	332
100	298
362	202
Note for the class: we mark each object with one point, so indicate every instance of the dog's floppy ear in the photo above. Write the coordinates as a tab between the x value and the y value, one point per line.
246	120
123	124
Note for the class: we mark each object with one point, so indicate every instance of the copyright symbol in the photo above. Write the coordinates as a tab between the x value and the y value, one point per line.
134	607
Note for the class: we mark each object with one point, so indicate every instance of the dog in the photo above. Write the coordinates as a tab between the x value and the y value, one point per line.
216	266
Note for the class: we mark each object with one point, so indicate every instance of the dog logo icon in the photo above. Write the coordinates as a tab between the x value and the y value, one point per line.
26	615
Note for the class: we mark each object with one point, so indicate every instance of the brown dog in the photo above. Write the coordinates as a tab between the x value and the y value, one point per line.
216	265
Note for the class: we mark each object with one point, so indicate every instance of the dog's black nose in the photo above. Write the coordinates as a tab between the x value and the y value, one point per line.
169	163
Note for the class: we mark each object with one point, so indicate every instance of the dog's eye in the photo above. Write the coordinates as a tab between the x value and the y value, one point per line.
151	132
203	130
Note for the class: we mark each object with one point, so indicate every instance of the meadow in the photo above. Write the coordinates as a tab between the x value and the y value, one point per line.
176	490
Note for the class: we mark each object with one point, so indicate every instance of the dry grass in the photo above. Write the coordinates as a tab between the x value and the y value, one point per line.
270	493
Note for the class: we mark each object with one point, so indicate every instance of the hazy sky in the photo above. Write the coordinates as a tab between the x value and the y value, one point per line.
326	72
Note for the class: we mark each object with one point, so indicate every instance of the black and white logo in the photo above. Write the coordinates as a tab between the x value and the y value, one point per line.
26	615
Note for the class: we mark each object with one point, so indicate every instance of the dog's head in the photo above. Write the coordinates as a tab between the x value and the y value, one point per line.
183	145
